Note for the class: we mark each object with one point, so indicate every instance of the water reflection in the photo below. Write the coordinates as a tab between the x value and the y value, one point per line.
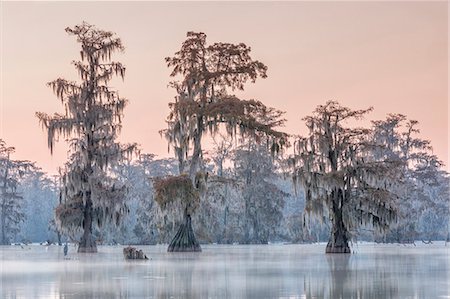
294	271
387	273
347	279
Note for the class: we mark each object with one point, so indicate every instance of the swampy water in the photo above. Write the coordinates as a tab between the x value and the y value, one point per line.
229	271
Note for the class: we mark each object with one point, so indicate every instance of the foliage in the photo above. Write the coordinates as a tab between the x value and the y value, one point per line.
172	188
92	118
263	199
11	204
427	184
340	174
202	103
40	195
70	213
220	153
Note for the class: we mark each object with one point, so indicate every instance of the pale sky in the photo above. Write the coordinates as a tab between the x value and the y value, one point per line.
389	55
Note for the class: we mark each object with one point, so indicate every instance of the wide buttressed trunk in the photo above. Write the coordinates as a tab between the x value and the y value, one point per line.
339	238
338	242
87	243
184	240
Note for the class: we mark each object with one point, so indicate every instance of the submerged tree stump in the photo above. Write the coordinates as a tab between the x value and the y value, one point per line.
131	253
184	240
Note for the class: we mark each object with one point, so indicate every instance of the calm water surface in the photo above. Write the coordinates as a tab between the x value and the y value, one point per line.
270	271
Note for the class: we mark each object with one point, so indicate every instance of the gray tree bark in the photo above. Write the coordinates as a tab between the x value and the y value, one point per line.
87	243
184	240
339	238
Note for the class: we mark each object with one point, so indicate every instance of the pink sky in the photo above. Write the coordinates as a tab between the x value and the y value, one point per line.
393	56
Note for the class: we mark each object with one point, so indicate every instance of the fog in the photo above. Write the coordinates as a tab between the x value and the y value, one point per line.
228	271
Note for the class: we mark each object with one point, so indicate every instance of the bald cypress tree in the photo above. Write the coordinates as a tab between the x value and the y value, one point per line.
92	121
11	200
424	176
206	74
341	176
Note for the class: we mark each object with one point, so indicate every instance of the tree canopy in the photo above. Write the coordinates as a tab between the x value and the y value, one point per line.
92	119
203	102
423	177
342	177
11	200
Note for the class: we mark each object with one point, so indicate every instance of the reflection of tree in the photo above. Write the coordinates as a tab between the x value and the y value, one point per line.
181	279
89	278
341	277
288	271
350	280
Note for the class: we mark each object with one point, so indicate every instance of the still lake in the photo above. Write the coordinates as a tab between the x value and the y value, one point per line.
229	271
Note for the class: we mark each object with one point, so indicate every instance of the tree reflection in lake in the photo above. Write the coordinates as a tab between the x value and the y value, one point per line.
346	280
260	271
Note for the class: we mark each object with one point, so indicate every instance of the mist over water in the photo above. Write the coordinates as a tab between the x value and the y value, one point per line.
221	271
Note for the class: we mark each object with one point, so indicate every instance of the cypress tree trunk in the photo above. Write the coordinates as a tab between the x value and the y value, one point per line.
225	226
58	235
87	242
338	242
4	240
184	240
